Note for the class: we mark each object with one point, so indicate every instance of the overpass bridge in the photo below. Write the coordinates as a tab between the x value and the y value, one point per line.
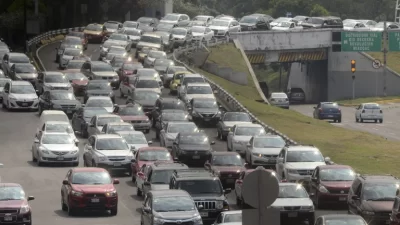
317	66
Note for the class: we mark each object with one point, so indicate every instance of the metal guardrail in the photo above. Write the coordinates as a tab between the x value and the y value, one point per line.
37	40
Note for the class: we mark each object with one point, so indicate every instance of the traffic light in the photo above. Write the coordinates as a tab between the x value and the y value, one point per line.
353	65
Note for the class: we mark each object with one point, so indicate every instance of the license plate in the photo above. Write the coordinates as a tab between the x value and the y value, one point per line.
292	214
60	158
95	200
196	157
207	119
342	199
230	181
330	115
204	214
8	218
117	164
24	104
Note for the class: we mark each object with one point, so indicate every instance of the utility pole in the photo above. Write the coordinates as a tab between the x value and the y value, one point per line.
25	26
385	50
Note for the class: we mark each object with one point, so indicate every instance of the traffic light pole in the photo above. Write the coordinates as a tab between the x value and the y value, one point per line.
354	86
385	50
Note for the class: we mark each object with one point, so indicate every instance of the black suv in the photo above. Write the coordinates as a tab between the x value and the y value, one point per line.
59	100
206	190
165	103
255	22
192	147
372	197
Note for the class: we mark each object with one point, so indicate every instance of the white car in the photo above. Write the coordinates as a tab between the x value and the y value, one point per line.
67	55
189	78
152	56
55	148
222	28
297	163
171	129
13	57
108	151
240	135
112	127
57	127
135	139
130	25
101	101
53	115
280	20
115	51
294	203
229	217
369	111
355	25
134	35
120	39
279	99
286	26
201	33
264	150
19	95
97	123
52	81
3	82
148	84
175	18
149	72
196	90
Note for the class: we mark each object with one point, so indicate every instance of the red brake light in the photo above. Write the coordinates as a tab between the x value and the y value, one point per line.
239	181
380	111
363	111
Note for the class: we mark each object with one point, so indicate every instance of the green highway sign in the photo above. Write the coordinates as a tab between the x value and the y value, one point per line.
394	41
361	41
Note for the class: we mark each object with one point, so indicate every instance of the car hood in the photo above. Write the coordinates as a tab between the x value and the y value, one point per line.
60	147
188	147
80	82
205	110
12	204
66	102
133	118
146	102
98	92
218	28
337	184
108	74
149	44
118	43
378	206
184	215
304	165
169	21
157	90
280	202
24	96
233	123
115	152
101	189
190	96
27	75
227	168
171	135
242	138
156	187
267	151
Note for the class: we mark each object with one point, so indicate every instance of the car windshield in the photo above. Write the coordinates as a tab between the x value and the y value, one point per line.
122	127
174	105
130	24
179	31
25	68
57	139
249	131
157	54
150	39
134	139
163	62
74	65
284	24
344	174
230	217
198	29
171	17
196	187
111	25
344	221
194	139
91	178
304	156
150	155
102	68
62	96
90	112
292	191
226	160
161	176
116	50
3	83
22	89
147	84
58	127
248	19
199	90
11	193
99	103
221	23
99	86
101	121
72	41
19	59
209	104
173	204
192	80
72	52
94	27
174	69
269	142
380	191
175	116
185	127
111	144
133	32
55	79
119	37
372	106
237	117
76	76
141	95
131	111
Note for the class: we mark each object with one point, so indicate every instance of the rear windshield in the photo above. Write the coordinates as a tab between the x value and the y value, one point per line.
330	106
372	106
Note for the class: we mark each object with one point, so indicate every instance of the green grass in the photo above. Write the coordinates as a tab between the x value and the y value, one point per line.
358	101
365	152
392	59
271	78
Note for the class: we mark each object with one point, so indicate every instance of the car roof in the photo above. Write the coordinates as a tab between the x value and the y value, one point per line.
115	46
107	136
56	133
180	122
20	82
151	34
266	136
152	148
324	167
199	84
88	169
173	111
56	122
248	125
47	73
170	193
147	78
98	62
107	115
204	99
53	112
23	64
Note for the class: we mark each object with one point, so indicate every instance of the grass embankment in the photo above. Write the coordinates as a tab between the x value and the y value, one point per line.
365	152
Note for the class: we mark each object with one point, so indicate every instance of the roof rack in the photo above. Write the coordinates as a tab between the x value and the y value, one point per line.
375	176
192	173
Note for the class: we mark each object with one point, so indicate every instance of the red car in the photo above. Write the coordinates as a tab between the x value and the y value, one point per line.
147	156
78	82
227	165
128	68
133	113
89	188
14	206
330	184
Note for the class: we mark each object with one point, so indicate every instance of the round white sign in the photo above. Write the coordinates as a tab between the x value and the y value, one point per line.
376	64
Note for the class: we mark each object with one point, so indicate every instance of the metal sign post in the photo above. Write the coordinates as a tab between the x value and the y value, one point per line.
354	86
376	64
385	50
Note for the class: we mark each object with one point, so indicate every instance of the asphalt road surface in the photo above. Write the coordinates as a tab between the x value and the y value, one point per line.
17	131
390	128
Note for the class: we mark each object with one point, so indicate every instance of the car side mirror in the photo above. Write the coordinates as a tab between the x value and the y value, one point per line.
146	209
36	141
133	160
227	191
65	182
115	181
212	143
149	142
355	197
146	183
30	198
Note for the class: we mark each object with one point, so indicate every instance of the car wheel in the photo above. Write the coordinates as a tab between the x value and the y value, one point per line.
381	121
64	206
138	192
33	157
114	211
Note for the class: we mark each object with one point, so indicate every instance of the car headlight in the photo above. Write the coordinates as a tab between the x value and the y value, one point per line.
76	193
129	157
111	194
102	158
219	205
292	171
24	209
158	221
257	155
130	58
369	213
307	207
43	150
323	189
74	152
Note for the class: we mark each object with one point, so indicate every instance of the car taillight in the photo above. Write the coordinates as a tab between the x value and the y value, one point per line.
239	181
363	111
320	110
380	111
283	181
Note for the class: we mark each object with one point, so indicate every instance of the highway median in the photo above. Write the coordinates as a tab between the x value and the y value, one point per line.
365	152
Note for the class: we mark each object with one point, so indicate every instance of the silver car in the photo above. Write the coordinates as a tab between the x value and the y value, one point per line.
279	99
118	39
201	33
68	42
67	55
222	28
152	56
181	36
23	71
97	70
134	35
263	150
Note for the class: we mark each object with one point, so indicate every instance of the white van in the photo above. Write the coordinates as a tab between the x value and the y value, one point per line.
53	115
